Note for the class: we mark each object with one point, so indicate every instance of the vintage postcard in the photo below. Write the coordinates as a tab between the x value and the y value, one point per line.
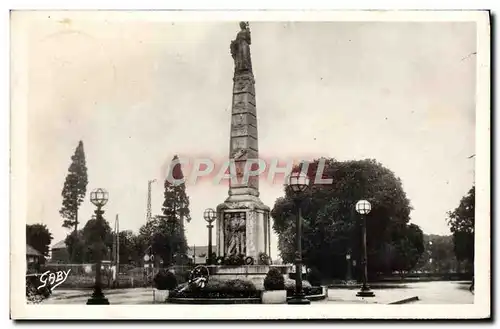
250	165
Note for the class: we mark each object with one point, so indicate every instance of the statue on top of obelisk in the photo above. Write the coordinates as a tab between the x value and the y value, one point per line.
240	50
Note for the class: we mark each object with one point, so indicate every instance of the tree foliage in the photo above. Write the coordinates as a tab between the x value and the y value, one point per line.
131	247
331	227
461	222
98	238
176	201
165	239
75	188
39	237
81	243
175	211
165	234
75	244
438	256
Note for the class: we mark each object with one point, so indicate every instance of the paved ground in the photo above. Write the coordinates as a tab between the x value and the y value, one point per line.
434	292
443	292
437	292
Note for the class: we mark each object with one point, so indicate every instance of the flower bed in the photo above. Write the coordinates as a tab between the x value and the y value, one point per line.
306	287
236	288
33	294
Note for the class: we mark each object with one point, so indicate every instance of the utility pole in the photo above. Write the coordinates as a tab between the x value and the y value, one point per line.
148	207
194	255
115	266
117	224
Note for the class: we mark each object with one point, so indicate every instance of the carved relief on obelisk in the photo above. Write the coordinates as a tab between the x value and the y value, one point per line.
242	217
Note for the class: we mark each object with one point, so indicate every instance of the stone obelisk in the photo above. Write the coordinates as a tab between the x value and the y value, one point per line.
242	225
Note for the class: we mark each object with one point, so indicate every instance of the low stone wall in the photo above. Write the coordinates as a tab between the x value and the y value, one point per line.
246	269
254	273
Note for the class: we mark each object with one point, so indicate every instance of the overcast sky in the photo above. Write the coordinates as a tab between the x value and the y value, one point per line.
137	93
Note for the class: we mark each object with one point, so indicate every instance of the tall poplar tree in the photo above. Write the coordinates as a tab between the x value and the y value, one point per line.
176	207
75	188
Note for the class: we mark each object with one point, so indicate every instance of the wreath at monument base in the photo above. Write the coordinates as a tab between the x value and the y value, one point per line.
220	260
249	260
264	259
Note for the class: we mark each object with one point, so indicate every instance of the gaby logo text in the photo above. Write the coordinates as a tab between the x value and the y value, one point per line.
53	279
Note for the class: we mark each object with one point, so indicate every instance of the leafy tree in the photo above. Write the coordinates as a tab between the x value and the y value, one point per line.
409	247
438	256
165	234
461	222
98	238
140	245
129	251
75	188
75	244
165	238
331	226
39	237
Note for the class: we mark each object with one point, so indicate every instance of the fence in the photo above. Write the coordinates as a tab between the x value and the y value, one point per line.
82	276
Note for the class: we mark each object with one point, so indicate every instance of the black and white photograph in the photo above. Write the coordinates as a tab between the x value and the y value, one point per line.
250	165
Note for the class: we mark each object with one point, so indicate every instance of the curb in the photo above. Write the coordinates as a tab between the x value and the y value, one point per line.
87	293
405	300
194	301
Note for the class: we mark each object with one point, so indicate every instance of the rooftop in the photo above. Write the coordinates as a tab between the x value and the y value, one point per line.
30	251
60	245
201	251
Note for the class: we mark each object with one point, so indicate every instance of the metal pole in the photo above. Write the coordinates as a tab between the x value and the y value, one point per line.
298	264
194	254
112	256
365	263
209	260
348	276
299	297
117	270
365	290
97	297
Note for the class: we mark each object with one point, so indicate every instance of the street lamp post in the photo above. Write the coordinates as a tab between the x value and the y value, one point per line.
297	183
348	260
99	197
363	207
209	215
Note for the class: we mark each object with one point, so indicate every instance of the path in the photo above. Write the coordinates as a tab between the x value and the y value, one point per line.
437	292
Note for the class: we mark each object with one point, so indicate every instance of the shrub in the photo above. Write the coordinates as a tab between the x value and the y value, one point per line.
216	288
274	280
165	280
33	294
314	277
290	284
212	259
307	291
32	284
238	285
306	287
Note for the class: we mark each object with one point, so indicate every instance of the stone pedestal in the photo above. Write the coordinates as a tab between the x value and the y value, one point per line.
254	238
253	273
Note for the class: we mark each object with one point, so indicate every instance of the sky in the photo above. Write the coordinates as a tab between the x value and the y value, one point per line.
138	92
